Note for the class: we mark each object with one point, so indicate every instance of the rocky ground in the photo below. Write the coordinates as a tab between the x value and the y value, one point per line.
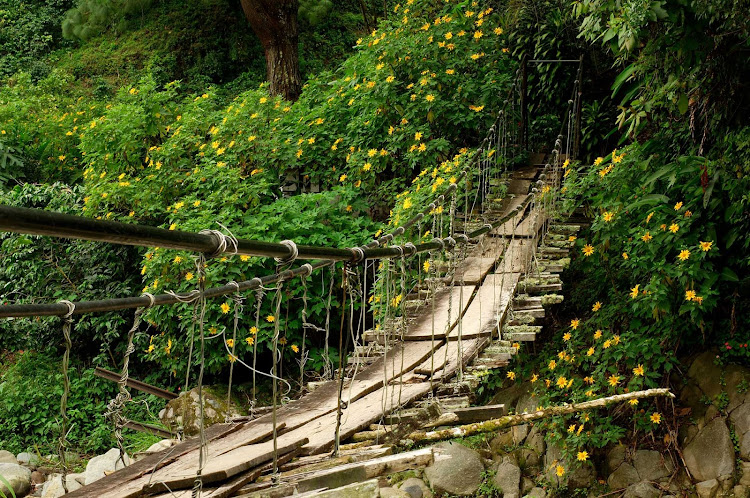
711	459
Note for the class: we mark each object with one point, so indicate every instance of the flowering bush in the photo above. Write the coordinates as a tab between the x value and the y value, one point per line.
417	90
655	283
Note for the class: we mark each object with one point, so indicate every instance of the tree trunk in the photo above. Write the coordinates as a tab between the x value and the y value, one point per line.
275	24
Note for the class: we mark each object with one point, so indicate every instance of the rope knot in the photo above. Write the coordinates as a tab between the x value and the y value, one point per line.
293	252
358	255
412	248
224	243
71	308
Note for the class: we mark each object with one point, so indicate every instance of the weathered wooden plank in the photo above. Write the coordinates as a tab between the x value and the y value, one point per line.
510	227
228	488
488	307
517	256
360	415
469	349
120	481
449	306
472	270
223	467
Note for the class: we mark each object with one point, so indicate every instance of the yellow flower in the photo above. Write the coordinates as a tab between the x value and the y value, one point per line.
534	378
270	318
230	343
616	339
250	341
597	306
342	178
588	380
648	218
575	323
634	291
588	250
189	276
638	371
613	380
283	341
196	203
418	136
655	418
232	358
562	382
624	255
583	456
253	330
177	259
674	227
646	237
173	226
560	471
607	344
633	402
498	31
430	98
689	295
572	428
511	375
678	206
598	161
426	266
608	216
706	246
450	71
552	364
590	352
225	308
349	208
566	336
294	348
572	238
684	254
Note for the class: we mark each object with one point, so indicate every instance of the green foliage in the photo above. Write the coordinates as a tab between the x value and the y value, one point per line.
41	269
30	29
31	390
91	17
679	60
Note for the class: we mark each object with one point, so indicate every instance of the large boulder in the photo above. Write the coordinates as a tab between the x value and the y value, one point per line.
740	418
101	465
17	476
416	488
30	459
706	373
508	479
651	466
53	488
707	489
457	470
745	446
184	411
711	453
641	490
624	476
7	457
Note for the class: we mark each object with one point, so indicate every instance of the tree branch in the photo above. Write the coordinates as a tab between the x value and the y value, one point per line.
523	418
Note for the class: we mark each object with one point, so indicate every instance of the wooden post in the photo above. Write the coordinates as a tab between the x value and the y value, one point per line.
524	104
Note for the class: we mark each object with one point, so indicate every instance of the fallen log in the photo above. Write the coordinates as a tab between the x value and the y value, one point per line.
523	418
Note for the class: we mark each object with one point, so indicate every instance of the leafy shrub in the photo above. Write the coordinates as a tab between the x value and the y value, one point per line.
656	280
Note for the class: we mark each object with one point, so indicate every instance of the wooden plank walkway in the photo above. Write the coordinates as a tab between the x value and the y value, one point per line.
473	309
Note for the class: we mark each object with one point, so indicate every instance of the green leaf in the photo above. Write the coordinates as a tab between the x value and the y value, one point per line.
729	275
622	77
682	104
709	189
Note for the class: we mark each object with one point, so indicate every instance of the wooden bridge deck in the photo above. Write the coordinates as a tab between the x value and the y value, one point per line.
472	310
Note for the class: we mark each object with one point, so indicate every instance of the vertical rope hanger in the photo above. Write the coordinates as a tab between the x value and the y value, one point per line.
340	406
238	307
282	264
115	407
63	440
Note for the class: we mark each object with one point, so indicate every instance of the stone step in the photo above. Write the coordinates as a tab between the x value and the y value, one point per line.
452	402
521	333
492	362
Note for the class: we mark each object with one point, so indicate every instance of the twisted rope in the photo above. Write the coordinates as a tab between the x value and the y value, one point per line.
115	408
62	443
